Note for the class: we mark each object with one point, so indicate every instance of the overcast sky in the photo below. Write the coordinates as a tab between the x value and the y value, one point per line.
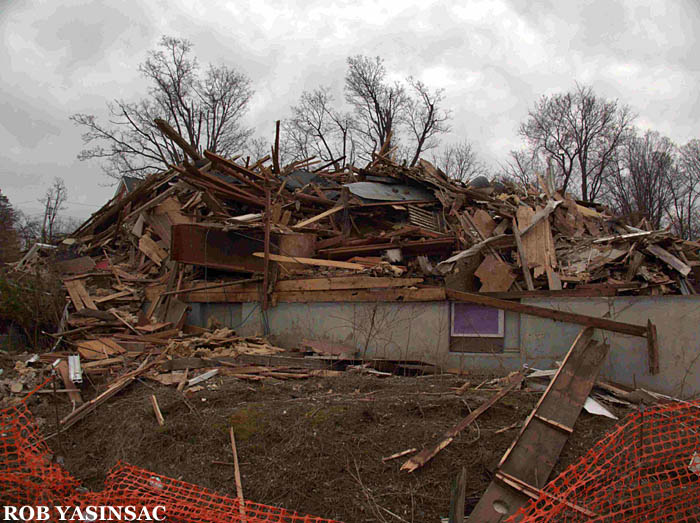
494	59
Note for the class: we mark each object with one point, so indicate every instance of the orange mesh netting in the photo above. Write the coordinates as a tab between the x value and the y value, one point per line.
647	469
28	477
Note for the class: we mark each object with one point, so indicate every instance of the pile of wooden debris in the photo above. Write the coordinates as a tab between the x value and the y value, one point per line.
213	218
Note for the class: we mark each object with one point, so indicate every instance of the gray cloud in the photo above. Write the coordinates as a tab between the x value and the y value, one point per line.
492	57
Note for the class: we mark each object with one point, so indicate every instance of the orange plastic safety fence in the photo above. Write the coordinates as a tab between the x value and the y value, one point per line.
28	477
648	469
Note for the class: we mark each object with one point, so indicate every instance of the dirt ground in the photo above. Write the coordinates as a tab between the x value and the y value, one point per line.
314	446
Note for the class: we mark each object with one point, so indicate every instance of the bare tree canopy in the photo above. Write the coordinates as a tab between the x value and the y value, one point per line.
425	118
522	167
205	107
459	161
581	133
377	104
316	128
643	177
684	211
408	115
53	202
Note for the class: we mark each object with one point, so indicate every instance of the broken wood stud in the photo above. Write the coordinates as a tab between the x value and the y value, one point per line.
156	410
237	474
523	259
652	348
399	454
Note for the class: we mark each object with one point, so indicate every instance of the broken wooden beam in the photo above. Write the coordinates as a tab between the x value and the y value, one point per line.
523	259
652	348
528	462
311	261
552	314
669	259
429	453
156	410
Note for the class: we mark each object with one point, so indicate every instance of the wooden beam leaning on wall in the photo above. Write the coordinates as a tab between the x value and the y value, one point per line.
552	314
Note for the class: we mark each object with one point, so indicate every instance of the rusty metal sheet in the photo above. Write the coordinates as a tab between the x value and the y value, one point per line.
213	247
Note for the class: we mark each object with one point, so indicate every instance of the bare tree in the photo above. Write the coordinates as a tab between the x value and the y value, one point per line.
425	117
522	167
459	161
206	108
641	181
580	132
29	229
685	192
316	128
53	201
378	105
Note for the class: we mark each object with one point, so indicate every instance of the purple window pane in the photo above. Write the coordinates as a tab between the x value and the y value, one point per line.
474	320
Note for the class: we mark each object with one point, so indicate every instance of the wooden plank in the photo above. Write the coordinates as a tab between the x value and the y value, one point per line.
73	294
495	275
652	348
84	295
534	242
152	249
345	282
110	297
429	453
669	259
311	261
156	410
533	454
318	217
523	258
73	395
237	470
550	259
350	296
533	310
633	267
540	215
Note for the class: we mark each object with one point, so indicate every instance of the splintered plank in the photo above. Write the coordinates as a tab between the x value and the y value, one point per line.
495	275
79	295
115	296
152	249
345	282
311	261
528	462
653	348
429	453
73	294
99	349
669	259
156	410
318	217
523	258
